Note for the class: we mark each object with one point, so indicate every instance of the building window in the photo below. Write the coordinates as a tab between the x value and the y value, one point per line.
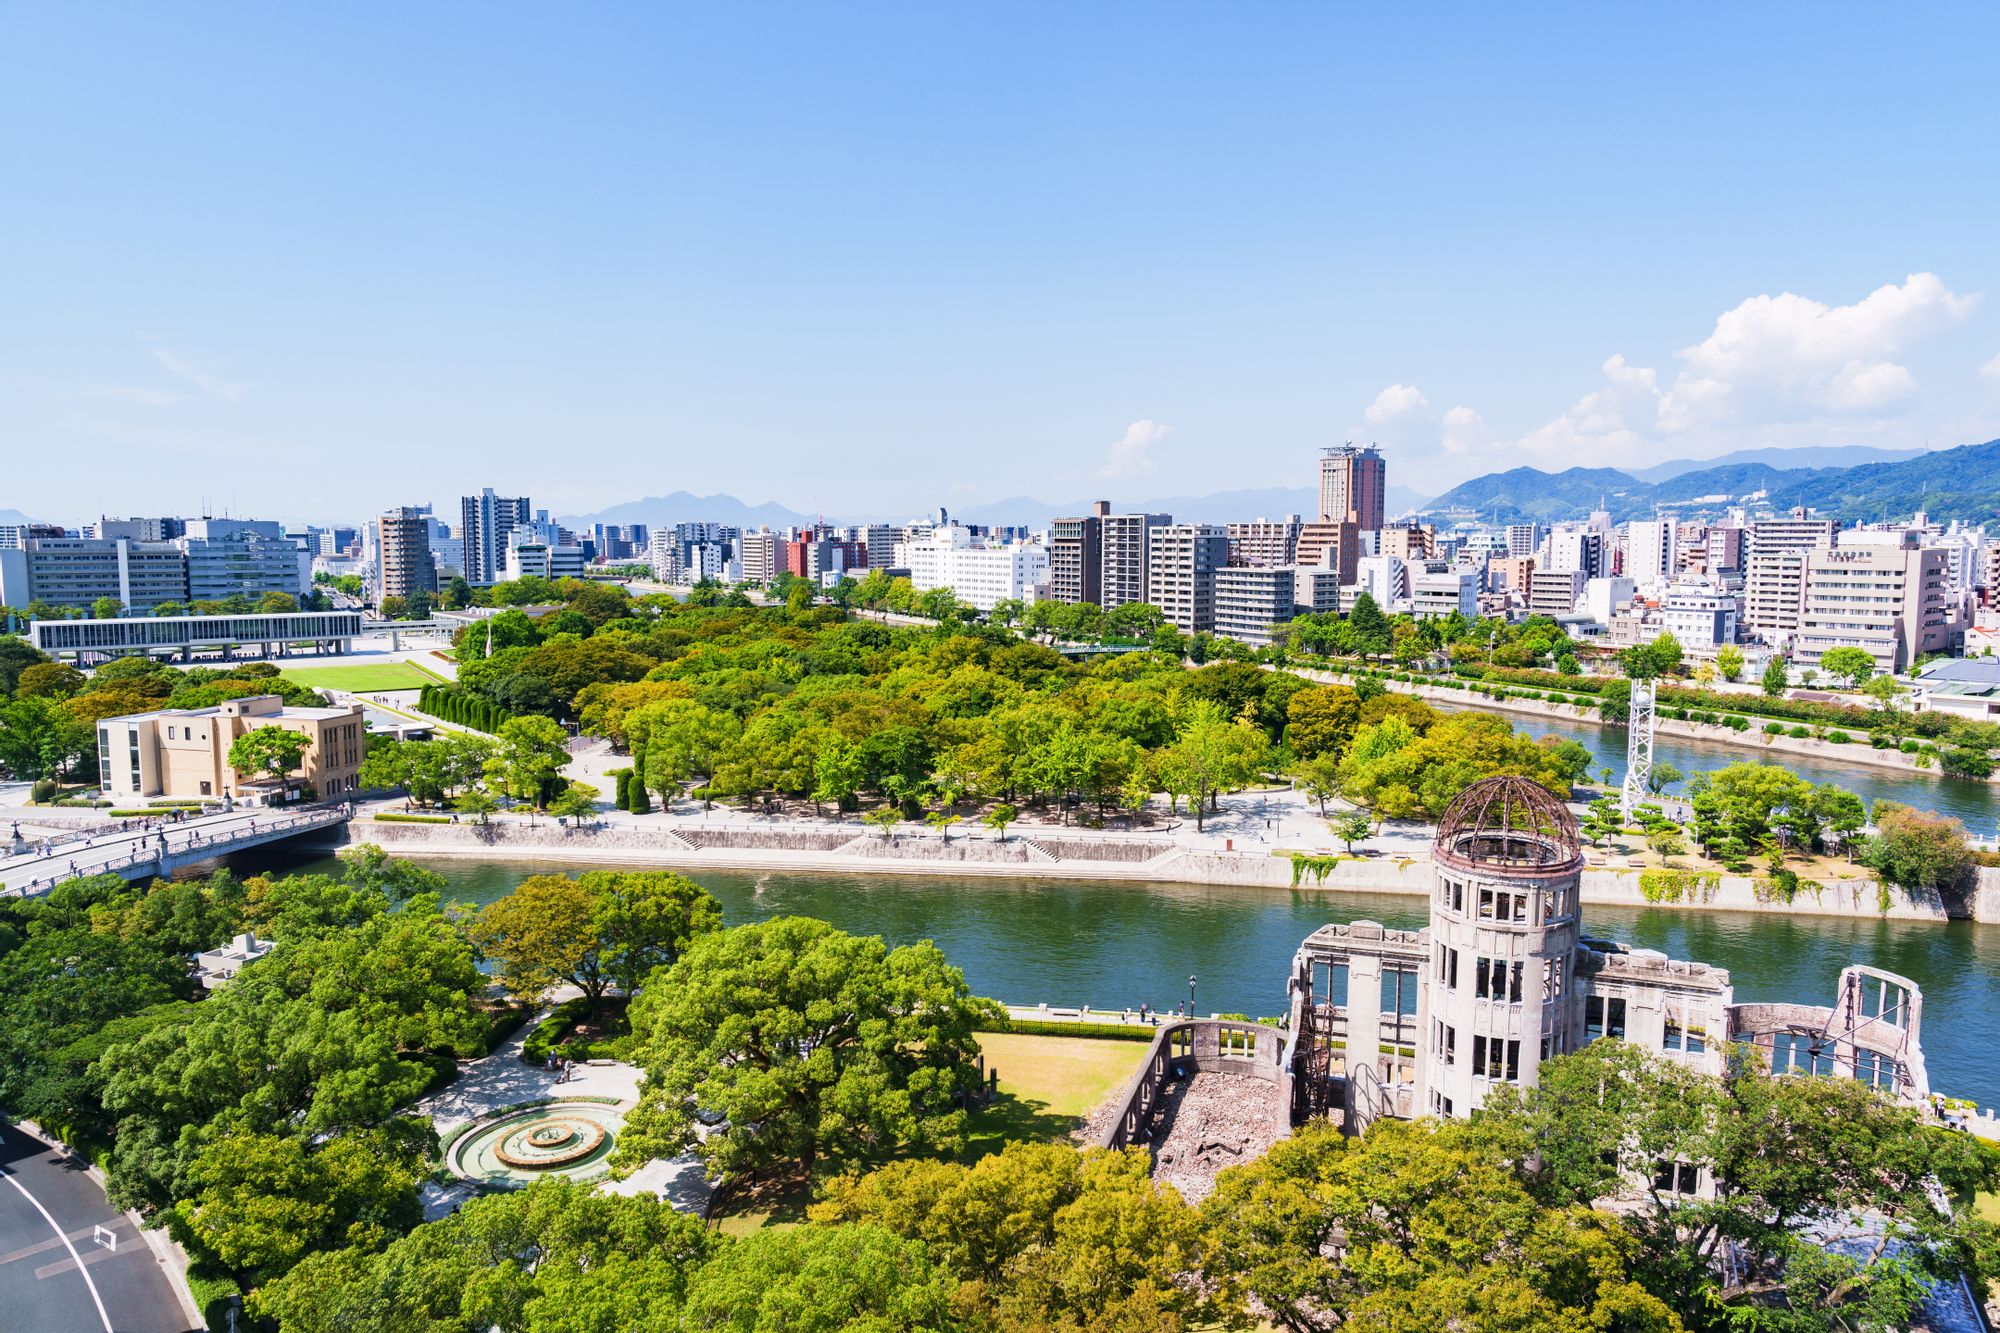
1497	979
1553	970
1800	1053
1682	1037
1603	1017
1447	968
1670	1177
1496	1058
1880	1072
1447	1043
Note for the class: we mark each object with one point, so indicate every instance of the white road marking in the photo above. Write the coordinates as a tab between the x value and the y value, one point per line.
96	1299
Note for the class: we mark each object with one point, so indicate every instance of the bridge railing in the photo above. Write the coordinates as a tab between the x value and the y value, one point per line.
151	848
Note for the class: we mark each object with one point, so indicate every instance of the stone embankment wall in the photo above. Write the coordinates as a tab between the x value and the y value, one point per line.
966	855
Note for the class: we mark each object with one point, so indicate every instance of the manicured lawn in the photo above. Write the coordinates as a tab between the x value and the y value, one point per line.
1047	1086
386	676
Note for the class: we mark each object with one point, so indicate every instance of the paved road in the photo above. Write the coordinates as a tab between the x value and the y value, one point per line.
50	1216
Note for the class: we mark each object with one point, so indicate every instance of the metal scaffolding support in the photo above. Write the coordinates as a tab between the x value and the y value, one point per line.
1638	749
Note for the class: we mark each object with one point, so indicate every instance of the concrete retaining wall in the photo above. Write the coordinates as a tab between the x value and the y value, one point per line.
986	856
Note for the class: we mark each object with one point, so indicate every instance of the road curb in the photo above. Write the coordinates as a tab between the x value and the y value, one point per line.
166	1250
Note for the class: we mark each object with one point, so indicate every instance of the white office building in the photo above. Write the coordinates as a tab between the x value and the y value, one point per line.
981	575
1700	616
1436	596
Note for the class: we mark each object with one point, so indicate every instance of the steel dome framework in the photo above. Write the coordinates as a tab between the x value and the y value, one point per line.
1509	825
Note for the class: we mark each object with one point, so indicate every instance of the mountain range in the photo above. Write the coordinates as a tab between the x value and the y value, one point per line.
1962	483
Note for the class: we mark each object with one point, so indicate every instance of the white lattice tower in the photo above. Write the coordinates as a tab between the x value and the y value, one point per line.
1638	749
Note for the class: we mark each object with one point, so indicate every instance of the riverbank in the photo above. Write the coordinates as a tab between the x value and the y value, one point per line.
795	845
1755	741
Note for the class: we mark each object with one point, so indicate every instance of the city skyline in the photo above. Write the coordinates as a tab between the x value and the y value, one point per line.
817	261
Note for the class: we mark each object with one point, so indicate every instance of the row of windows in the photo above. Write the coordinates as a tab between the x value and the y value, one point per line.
1507	906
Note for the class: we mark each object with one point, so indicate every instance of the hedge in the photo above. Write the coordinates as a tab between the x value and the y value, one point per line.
214	1294
1046	1027
542	1041
462	707
384	818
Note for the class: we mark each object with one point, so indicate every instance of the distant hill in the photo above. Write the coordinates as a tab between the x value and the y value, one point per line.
1783	460
1962	483
1526	494
681	507
14	516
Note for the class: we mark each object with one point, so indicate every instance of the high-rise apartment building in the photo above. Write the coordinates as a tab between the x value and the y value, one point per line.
1352	485
1576	550
1523	539
1076	550
404	540
1122	555
1336	546
1894	601
1650	552
485	520
1181	562
1774	570
1554	592
1414	542
1251	599
1264	543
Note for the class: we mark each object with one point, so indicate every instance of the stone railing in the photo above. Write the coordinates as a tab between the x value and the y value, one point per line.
1201	1045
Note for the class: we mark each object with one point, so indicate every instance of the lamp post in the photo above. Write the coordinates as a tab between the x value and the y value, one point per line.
1191	995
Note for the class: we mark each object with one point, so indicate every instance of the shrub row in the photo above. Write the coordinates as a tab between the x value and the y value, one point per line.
462	707
1050	1027
387	818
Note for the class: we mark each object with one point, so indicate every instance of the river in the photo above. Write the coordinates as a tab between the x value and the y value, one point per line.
1976	804
1109	945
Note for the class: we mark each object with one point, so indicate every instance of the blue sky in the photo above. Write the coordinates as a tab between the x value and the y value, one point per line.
317	260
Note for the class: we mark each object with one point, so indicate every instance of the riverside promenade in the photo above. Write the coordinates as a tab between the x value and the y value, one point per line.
1250	843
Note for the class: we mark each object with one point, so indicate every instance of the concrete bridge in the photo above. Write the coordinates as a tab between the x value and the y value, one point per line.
145	848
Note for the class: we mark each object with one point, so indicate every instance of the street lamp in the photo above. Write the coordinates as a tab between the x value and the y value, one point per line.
1190	995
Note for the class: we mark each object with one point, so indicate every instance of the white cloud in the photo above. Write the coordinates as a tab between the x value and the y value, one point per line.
1395	401
1132	454
1464	430
1776	358
201	376
1991	370
1772	363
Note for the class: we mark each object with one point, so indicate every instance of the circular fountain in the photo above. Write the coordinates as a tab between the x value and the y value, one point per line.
518	1145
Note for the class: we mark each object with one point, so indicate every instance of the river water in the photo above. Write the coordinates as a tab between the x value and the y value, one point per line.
1976	803
1110	945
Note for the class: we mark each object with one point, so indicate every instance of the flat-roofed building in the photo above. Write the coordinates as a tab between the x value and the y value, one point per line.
1892	601
1251	599
407	564
180	636
184	752
1435	596
1122	556
1180	572
1076	552
1554	592
1264	542
1353	486
77	571
1335	545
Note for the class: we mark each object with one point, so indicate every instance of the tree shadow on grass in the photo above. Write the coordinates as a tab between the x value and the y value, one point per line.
1013	1119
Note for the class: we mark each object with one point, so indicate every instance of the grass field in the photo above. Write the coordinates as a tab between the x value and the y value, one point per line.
1047	1086
385	676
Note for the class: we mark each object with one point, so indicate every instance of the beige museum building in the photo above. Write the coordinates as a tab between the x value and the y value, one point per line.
184	752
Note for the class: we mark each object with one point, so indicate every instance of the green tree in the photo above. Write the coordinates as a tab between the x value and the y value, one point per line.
999	817
855	1279
265	1201
1853	665
1351	828
578	801
830	1044
1917	850
270	751
107	608
1322	720
1729	661
602	929
529	758
1603	820
1776	676
49	680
